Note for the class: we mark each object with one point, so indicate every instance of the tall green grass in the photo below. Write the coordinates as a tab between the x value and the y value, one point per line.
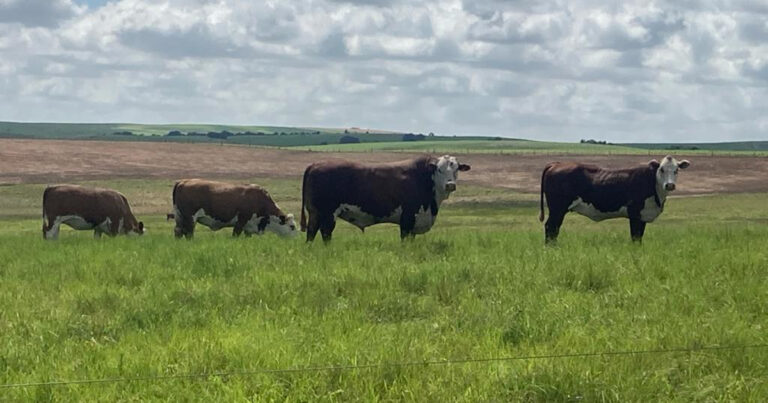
479	285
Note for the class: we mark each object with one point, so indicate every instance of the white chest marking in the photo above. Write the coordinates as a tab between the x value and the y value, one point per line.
424	221
593	213
650	210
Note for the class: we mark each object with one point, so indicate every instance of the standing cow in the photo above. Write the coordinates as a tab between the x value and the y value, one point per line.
104	211
636	193
408	193
217	205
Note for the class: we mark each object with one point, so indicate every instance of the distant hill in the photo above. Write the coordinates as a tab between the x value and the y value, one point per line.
352	139
725	146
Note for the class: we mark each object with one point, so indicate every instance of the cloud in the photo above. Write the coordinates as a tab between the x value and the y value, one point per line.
37	13
560	70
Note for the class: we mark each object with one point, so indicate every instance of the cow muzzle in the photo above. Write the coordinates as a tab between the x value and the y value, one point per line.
669	186
450	187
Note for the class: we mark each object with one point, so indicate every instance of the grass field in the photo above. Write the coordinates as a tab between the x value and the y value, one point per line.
479	285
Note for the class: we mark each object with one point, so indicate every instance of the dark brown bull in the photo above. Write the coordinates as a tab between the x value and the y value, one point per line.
637	193
408	193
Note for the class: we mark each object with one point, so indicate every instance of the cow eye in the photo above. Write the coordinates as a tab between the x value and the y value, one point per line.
662	170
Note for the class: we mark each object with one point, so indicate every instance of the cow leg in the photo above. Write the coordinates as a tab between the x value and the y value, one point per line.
552	226
239	225
327	224
312	226
636	229
185	226
51	231
97	233
407	222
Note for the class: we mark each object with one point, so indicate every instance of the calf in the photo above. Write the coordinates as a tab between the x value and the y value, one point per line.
636	193
247	208
104	211
408	193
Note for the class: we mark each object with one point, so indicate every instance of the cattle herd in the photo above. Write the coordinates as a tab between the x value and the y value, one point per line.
407	193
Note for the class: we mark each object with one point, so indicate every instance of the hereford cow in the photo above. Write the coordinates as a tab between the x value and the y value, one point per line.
636	193
407	193
247	208
104	211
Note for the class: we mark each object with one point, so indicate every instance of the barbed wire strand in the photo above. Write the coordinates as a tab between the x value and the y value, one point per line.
328	368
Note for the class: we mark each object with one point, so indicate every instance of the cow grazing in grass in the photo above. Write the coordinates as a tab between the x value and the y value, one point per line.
408	193
104	211
637	193
247	208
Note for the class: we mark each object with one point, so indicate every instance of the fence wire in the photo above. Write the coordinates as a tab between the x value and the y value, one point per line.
447	362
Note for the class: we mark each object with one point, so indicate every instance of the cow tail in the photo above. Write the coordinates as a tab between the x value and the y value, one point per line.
172	215
304	199
45	198
541	196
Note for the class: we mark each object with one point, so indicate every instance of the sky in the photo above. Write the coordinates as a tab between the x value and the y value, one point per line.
621	71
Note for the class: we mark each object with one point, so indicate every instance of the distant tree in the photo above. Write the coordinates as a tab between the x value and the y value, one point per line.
174	133
413	137
125	133
346	131
348	140
431	134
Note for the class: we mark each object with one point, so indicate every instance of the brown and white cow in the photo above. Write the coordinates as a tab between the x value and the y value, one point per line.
636	193
105	211
217	205
408	193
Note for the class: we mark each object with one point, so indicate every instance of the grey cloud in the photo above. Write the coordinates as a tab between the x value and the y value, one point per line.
37	13
197	41
333	45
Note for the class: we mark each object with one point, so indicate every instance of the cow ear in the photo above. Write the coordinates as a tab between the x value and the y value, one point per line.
654	164
432	166
141	227
289	216
684	164
464	167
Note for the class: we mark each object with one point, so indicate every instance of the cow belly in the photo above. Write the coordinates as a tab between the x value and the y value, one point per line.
651	210
76	222
212	223
589	210
357	217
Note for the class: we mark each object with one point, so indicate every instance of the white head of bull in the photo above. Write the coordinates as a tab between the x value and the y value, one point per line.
446	173
666	174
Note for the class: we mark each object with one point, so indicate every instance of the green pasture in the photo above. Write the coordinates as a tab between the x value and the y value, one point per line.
480	285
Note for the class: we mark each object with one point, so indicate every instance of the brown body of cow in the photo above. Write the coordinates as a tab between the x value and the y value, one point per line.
408	193
104	211
637	193
247	208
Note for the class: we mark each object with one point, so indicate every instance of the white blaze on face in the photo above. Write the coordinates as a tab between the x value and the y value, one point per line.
446	174
666	175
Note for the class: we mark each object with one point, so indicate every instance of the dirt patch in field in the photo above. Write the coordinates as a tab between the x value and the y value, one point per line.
56	161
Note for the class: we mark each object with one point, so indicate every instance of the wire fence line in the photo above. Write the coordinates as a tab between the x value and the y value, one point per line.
268	371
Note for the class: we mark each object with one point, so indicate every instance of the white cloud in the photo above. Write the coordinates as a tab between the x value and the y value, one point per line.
563	70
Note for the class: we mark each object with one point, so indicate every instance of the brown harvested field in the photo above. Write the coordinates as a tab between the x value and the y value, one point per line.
54	161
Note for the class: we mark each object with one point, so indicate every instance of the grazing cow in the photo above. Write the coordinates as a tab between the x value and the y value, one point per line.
247	208
636	193
104	211
407	193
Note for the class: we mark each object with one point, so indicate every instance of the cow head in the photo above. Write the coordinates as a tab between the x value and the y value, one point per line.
666	172
446	173
283	225
136	229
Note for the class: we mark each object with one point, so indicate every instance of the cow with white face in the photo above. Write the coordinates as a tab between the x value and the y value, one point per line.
104	211
637	193
408	193
247	209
